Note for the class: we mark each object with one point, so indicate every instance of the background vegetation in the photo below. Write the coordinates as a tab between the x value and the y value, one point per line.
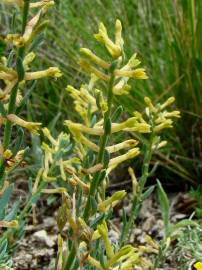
167	37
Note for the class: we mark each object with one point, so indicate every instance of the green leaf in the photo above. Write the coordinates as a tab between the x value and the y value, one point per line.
106	158
3	248
117	114
97	98
26	97
30	184
37	41
108	127
20	69
164	206
2	110
13	212
2	46
11	58
147	193
93	204
101	177
101	218
181	224
97	221
19	140
4	199
62	217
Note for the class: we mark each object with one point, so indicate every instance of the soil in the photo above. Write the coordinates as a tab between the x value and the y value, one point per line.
38	249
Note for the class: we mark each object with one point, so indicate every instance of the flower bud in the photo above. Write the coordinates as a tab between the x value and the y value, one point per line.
166	124
148	102
112	201
103	231
94	58
168	102
102	37
118	34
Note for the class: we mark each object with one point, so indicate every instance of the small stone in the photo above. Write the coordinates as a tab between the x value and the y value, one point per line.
49	222
43	237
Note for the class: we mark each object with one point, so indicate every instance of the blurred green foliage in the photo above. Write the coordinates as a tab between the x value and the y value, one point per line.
167	37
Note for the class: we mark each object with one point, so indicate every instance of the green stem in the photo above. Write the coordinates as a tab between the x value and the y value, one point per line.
12	101
103	142
70	259
136	203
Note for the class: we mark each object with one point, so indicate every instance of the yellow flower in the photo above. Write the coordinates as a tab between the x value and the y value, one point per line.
94	58
167	123
42	3
138	73
17	2
168	102
31	27
121	88
8	224
115	49
103	231
134	180
198	265
91	69
31	126
112	201
150	105
28	59
114	162
84	101
118	34
123	252
10	161
50	72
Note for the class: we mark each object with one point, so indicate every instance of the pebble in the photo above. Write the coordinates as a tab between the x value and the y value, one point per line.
43	237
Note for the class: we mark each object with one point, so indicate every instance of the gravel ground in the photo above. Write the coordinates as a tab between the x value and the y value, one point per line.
38	249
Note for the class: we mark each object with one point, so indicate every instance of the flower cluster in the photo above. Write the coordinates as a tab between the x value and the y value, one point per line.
160	119
13	75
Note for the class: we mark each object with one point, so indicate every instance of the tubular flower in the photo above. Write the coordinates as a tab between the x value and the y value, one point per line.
42	3
17	2
160	117
31	27
94	58
114	49
121	88
31	126
134	180
112	201
138	73
114	162
129	125
50	72
103	231
84	101
11	161
122	74
8	224
125	258
91	69
121	254
4	94
29	58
